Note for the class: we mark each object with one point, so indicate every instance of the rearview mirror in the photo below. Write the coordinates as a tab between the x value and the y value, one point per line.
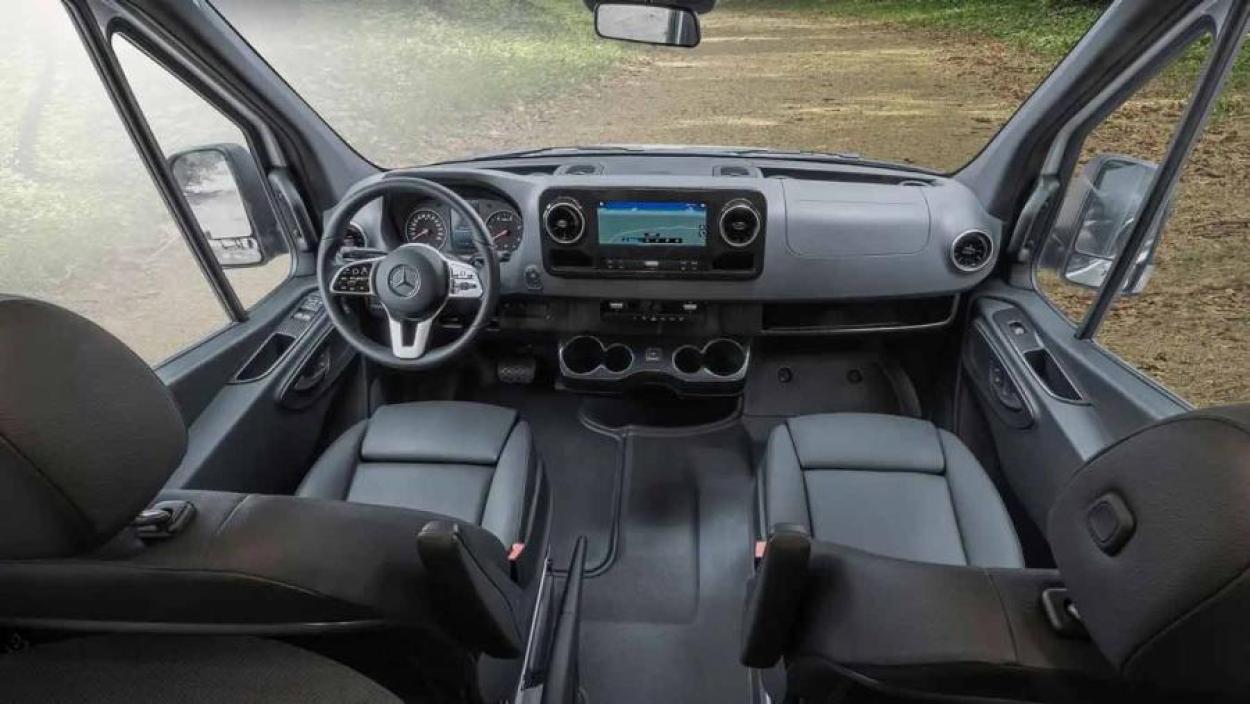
1098	215
647	24
227	196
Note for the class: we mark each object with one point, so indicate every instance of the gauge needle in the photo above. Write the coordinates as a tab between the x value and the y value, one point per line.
423	233
499	234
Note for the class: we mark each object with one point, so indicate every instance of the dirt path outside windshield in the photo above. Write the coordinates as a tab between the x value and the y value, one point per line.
778	80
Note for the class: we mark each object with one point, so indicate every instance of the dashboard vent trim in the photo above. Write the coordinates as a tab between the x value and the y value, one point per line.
972	251
735	170
581	168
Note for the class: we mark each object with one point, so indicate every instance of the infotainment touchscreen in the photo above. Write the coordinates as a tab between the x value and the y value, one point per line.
633	223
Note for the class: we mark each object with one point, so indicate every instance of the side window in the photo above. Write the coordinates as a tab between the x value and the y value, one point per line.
1113	173
211	161
1183	314
1188	326
81	224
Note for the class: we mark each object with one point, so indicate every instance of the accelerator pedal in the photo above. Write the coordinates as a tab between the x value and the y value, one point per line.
516	370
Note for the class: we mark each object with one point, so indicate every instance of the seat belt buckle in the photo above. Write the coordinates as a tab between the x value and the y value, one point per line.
515	553
163	519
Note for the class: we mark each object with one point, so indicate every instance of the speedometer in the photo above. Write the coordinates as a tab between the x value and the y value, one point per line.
426	226
504	228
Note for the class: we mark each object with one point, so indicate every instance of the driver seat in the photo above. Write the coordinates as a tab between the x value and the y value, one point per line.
468	461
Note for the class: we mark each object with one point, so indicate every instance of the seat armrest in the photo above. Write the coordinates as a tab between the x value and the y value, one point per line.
246	563
932	628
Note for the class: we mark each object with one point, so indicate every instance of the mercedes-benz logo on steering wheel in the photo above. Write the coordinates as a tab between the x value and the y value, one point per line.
404	281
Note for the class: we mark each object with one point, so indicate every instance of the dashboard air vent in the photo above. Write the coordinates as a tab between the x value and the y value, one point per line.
739	223
563	221
972	251
733	170
585	169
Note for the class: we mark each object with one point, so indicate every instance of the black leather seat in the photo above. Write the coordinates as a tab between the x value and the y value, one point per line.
468	461
895	486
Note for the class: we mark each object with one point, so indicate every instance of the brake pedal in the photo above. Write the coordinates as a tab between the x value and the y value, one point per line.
517	370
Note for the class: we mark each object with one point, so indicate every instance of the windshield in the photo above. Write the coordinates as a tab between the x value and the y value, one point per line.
416	81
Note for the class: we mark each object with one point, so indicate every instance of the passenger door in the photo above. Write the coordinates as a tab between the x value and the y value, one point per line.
255	393
1095	332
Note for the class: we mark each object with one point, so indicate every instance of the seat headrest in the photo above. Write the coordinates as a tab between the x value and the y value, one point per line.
88	433
1152	537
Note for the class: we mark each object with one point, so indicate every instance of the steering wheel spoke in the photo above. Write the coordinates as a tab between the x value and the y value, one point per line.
409	339
463	281
354	279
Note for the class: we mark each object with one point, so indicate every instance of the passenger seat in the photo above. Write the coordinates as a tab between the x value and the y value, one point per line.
890	485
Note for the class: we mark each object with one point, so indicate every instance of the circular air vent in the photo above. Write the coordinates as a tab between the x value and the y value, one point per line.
353	236
739	223
972	250
563	221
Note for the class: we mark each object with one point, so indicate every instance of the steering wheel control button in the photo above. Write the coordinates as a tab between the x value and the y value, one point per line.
353	280
464	281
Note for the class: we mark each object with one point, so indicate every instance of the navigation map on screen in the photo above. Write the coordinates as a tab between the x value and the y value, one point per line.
647	223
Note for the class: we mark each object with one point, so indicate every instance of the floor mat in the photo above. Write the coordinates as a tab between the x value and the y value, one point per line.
662	623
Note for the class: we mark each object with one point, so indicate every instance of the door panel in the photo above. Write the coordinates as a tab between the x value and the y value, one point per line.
256	396
1052	400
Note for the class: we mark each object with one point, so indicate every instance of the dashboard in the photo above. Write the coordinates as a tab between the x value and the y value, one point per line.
648	269
680	228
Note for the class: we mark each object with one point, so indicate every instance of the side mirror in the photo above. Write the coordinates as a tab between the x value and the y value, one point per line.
647	24
226	193
1098	216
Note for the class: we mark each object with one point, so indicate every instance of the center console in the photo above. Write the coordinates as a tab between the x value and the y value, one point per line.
653	234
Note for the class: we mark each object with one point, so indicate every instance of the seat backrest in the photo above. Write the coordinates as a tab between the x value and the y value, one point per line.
88	433
1152	537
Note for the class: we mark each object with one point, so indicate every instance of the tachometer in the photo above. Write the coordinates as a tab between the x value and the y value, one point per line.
504	228
426	226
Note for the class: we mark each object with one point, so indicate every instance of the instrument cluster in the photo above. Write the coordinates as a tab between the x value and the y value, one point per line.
438	225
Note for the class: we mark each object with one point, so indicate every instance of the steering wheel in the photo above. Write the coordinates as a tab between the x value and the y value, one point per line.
412	283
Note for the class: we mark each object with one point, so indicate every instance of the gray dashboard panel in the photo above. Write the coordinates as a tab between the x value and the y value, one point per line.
825	239
855	219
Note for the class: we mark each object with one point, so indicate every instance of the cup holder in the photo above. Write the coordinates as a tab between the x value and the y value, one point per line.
688	360
582	355
617	358
585	354
724	357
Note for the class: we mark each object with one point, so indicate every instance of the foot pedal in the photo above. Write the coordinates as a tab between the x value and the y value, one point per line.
518	370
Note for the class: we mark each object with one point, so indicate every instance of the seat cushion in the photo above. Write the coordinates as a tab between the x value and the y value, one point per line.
468	461
183	669
895	486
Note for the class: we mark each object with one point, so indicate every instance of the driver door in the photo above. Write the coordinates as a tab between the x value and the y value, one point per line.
251	358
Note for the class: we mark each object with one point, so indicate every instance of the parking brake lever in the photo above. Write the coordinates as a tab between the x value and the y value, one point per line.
476	599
